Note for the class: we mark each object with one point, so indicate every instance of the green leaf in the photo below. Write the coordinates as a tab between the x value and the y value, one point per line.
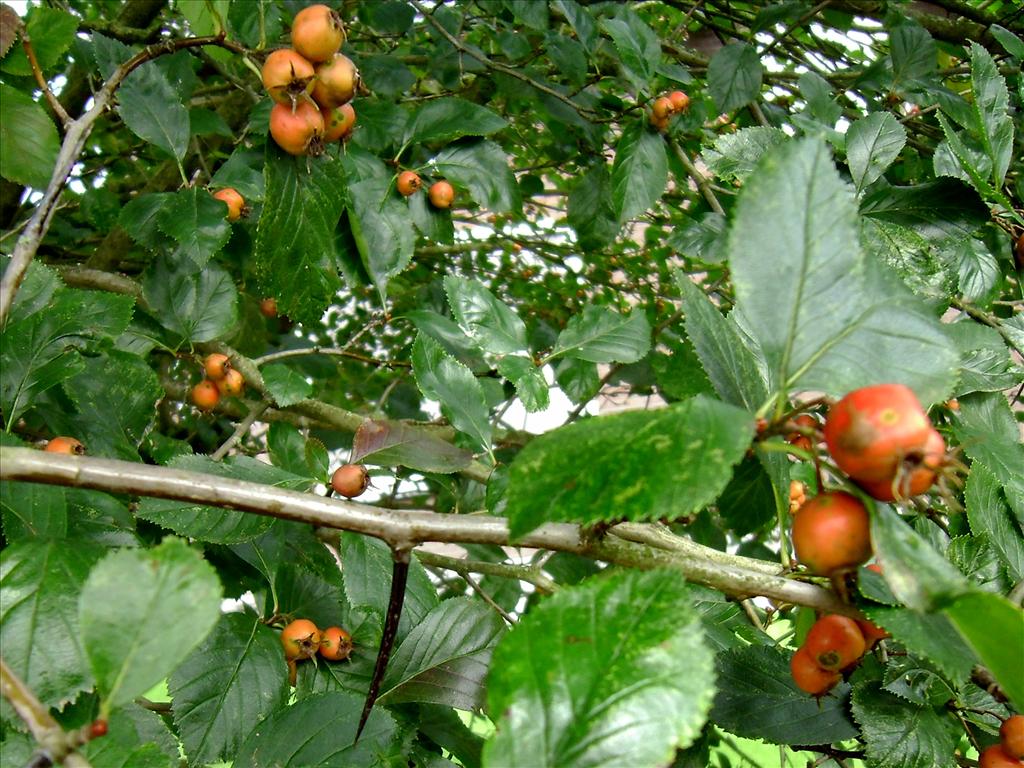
490	322
602	335
640	171
368	566
987	621
390	443
39	628
1010	42
482	168
383	231
614	671
872	143
757	699
320	730
937	211
444	659
226	685
196	222
216	524
295	257
899	735
448	119
735	155
139	219
591	209
638	46
988	432
912	52
723	350
448	381
748	501
578	379
195	304
448	334
33	511
151	109
988	514
994	127
115	396
243	171
52	32
124	607
734	76
137	739
42	350
286	385
680	374
929	636
528	379
28	140
581	21
641	465
826	318
36	291
918	576
433	223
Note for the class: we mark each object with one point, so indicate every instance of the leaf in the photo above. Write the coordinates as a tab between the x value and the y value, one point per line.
490	322
28	140
195	304
639	173
734	76
295	256
528	379
735	155
39	628
988	514
152	110
242	171
482	168
641	465
986	621
383	231
601	335
1010	42
988	432
115	397
937	211
929	636
994	127
638	46
286	385
433	223
825	317
723	351
872	143
445	657
226	685
196	222
899	735
123	612
448	119
591	210
448	334
614	671
52	32
33	511
390	443
42	350
918	576
757	699
748	501
368	566
216	524
137	739
912	52
320	730
448	381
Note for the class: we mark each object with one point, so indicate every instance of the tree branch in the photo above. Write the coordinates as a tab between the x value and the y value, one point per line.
74	142
731	574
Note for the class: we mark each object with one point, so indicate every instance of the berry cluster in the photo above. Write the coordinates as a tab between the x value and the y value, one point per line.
312	83
441	193
665	106
221	381
833	646
1009	752
302	640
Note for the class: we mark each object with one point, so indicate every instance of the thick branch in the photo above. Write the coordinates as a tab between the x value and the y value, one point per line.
739	577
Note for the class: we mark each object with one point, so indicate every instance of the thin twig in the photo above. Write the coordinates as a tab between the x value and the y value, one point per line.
699	178
56	106
527	573
243	426
509	618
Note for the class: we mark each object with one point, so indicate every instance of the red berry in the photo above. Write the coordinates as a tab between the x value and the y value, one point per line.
216	366
205	395
680	101
831	533
234	201
65	445
335	644
300	639
914	475
809	677
98	728
287	76
441	194
995	757
1012	734
350	480
835	642
408	183
298	130
317	32
870	431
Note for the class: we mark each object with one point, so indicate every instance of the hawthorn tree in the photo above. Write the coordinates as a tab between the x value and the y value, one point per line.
831	201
